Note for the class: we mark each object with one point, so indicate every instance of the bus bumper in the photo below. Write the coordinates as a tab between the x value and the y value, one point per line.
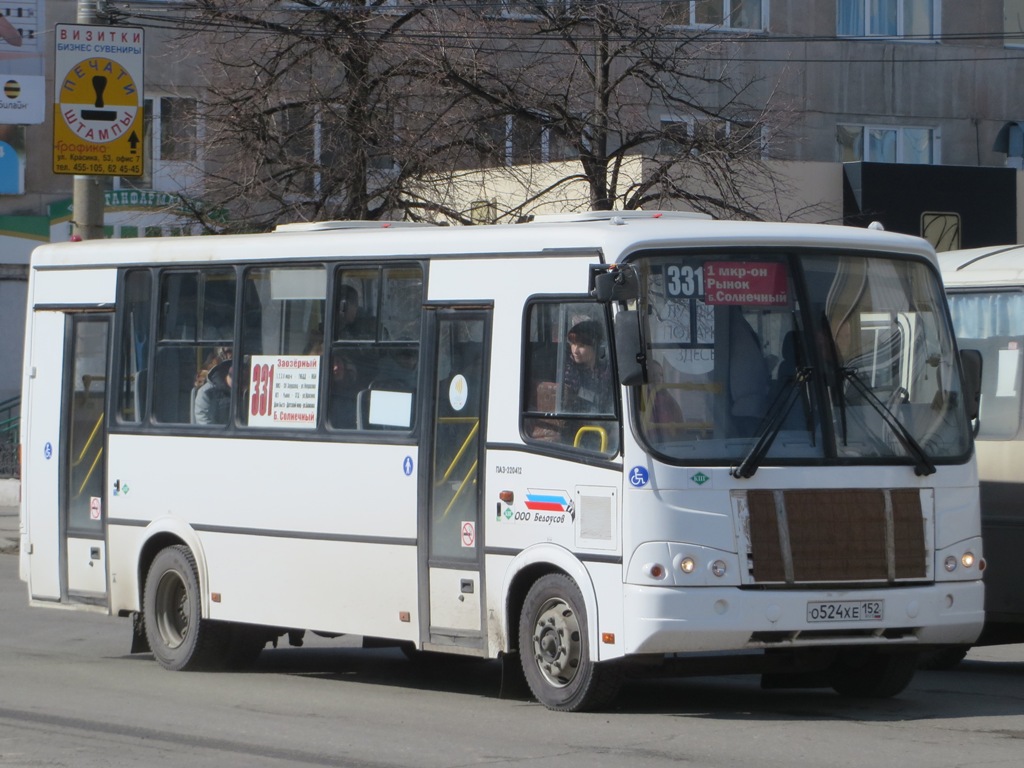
679	620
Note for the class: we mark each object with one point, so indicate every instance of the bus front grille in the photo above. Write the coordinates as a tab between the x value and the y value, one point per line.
836	535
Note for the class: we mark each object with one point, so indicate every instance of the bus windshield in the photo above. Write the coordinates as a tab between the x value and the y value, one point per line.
756	356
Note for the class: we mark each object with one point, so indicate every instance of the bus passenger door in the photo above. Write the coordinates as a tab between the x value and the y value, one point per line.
84	465
455	455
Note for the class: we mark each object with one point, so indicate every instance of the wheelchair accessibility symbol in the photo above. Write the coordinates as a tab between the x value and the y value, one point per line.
638	477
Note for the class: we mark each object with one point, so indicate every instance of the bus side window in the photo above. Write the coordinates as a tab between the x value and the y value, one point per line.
568	391
282	316
135	346
194	333
375	336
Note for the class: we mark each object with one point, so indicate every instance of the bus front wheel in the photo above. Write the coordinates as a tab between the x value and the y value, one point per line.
554	649
871	674
178	635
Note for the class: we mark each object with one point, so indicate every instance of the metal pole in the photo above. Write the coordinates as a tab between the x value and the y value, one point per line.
87	195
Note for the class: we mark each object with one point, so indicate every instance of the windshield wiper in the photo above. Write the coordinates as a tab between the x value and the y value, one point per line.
922	462
773	422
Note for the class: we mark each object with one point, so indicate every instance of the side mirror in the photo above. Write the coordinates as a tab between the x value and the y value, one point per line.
630	357
971	363
614	284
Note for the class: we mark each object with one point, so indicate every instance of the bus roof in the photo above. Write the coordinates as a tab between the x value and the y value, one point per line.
994	265
615	234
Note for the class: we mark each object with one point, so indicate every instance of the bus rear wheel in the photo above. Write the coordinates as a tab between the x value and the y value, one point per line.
555	654
178	635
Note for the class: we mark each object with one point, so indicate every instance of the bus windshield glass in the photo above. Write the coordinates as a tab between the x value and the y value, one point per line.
755	357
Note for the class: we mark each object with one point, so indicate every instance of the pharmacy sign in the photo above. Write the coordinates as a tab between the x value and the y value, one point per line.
98	100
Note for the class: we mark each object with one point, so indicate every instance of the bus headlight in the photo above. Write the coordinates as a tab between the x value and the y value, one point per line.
687	565
718	568
967	560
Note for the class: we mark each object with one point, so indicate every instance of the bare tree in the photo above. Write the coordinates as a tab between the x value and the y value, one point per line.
301	111
316	109
607	83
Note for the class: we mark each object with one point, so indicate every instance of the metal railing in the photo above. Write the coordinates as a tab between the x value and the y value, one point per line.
10	432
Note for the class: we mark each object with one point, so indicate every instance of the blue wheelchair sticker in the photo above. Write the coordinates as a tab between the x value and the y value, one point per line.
638	477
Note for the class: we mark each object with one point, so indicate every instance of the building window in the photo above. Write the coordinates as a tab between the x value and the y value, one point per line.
728	14
889	144
298	146
483	211
686	134
175	141
177	129
508	141
941	229
888	18
1013	22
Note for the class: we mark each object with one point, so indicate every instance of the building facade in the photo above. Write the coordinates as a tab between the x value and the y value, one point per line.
901	111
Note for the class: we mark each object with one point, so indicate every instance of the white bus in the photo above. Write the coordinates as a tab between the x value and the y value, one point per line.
592	445
985	287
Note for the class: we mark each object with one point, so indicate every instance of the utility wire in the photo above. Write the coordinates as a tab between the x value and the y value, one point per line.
696	36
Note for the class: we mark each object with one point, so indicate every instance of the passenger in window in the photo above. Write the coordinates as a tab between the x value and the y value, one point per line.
343	390
217	356
587	381
349	321
213	398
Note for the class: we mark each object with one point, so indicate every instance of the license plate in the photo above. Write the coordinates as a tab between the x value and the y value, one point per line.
846	610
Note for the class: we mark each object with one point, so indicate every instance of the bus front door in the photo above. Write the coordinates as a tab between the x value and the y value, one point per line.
454	555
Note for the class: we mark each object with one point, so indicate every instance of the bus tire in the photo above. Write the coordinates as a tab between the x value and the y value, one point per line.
943	658
178	635
554	650
871	674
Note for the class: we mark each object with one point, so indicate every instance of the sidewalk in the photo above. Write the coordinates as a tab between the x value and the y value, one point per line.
9	493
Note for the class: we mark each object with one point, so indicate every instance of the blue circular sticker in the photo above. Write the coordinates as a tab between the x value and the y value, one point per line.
638	477
48	450
407	466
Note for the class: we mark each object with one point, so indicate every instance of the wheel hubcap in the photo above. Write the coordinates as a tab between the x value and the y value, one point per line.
172	610
557	643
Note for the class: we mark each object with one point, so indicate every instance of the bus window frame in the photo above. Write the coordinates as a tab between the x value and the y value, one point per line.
146	424
560	448
966	343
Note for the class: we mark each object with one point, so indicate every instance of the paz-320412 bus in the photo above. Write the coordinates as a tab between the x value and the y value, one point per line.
588	445
985	288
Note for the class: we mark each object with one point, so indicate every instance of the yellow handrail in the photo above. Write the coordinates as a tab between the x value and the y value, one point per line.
88	442
465	443
588	429
88	474
462	486
471	474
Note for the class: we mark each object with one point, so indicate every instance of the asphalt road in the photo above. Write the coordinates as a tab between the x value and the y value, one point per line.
8	530
72	695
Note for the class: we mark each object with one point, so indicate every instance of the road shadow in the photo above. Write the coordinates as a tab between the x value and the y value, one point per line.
972	689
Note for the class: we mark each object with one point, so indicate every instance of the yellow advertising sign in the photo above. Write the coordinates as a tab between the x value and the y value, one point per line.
98	100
